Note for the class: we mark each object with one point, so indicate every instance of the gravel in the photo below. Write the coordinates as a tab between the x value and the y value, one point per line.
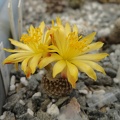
98	100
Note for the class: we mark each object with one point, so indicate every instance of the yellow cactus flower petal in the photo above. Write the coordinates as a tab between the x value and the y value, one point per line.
89	38
15	50
71	79
24	64
93	46
85	68
14	58
32	47
94	65
42	26
67	28
73	50
75	29
59	45
19	44
73	71
34	62
93	57
61	65
45	61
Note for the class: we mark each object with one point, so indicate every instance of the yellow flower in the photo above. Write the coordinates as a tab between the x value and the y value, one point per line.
70	53
34	47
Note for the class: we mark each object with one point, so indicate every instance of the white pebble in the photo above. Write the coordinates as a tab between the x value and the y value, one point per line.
12	82
12	87
83	92
103	32
118	73
24	81
89	95
2	117
53	100
39	75
41	72
117	52
38	94
101	92
22	102
17	84
53	110
30	111
116	80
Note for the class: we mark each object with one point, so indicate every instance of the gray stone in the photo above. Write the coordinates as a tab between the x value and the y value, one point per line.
19	109
33	83
99	101
101	80
61	101
26	116
114	36
30	105
11	101
22	91
43	115
118	95
100	92
113	114
118	73
82	100
36	101
111	72
9	116
95	114
45	104
81	85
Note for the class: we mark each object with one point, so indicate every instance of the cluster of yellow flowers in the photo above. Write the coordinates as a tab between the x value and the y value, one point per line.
60	46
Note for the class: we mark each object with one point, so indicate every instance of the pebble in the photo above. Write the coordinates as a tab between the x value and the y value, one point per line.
19	109
85	92
30	112
21	102
27	116
53	110
111	72
9	116
114	36
99	92
89	95
103	32
32	83
116	80
40	75
24	81
38	94
12	87
11	101
100	100
43	115
118	73
12	82
92	16
30	105
2	117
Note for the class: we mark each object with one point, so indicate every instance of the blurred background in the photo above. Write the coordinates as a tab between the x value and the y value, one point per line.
88	15
102	16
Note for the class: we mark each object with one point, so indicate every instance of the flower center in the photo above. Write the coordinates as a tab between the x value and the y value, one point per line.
34	35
